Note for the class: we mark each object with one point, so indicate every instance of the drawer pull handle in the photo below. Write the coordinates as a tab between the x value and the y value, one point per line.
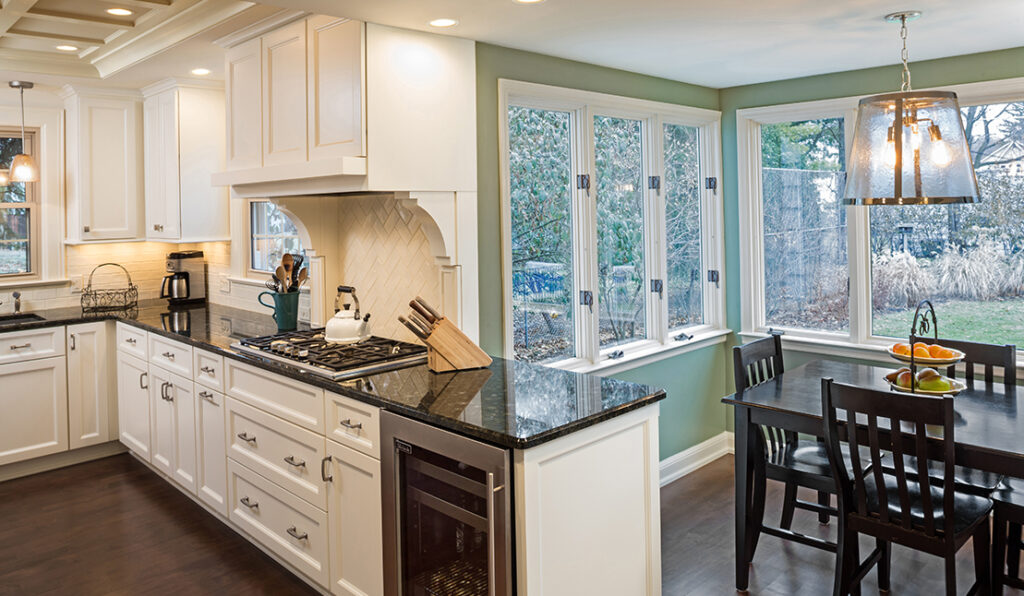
347	423
208	370
168	355
250	504
295	534
323	469
144	375
290	460
22	347
248	439
130	340
207	396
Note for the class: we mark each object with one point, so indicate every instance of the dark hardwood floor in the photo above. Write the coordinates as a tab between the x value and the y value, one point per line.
112	526
697	547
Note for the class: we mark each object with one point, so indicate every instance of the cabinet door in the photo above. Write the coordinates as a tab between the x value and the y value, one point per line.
88	390
284	95
335	87
133	385
354	519
110	168
35	409
172	426
242	72
160	118
211	457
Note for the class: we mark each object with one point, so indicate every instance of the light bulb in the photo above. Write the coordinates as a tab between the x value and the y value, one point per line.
4	178
941	155
915	137
890	154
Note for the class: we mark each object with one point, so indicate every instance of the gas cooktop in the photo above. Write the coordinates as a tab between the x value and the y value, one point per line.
310	352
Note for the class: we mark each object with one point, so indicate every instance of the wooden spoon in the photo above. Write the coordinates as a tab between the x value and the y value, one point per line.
283	278
303	275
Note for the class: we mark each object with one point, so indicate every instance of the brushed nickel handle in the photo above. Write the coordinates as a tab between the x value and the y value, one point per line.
295	534
72	338
141	376
323	470
208	370
291	461
347	423
130	340
249	503
158	227
247	438
166	390
168	355
207	396
22	347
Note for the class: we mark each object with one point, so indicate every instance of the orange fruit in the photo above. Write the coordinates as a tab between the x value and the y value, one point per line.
935	350
920	344
944	353
902	349
922	353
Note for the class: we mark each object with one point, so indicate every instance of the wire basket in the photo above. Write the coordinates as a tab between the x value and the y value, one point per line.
120	299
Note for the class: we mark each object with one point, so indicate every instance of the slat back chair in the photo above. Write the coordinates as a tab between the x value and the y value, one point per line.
899	507
753	364
988	356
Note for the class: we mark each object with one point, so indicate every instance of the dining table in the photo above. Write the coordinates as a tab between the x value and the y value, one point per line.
988	430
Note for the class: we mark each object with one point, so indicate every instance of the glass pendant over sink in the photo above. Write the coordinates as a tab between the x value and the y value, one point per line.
23	167
909	148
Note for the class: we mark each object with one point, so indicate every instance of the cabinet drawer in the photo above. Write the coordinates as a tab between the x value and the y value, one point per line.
20	346
353	423
132	340
290	527
170	355
292	400
209	369
280	451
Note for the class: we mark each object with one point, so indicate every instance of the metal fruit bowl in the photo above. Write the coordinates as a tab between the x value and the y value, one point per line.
928	361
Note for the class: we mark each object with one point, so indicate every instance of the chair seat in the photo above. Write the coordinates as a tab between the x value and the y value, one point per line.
809	457
964	479
968	509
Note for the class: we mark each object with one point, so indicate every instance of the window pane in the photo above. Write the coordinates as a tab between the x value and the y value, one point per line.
273	235
967	259
806	278
540	175
684	284
618	154
14	247
15	191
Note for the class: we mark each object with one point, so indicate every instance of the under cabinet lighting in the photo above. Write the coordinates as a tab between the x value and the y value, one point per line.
200	72
443	22
67	48
528	1
119	12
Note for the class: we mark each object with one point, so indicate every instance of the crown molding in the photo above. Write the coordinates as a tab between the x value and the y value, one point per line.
43	63
180	82
86	90
278	19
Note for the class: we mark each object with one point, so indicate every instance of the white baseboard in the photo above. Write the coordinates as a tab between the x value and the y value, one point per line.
676	466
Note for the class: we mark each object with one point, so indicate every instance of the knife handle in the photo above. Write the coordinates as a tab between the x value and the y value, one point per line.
429	308
416	306
420	322
416	330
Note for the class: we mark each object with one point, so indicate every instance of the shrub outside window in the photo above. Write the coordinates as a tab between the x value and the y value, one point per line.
19	208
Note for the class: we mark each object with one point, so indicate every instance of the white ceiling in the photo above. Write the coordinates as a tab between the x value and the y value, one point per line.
718	43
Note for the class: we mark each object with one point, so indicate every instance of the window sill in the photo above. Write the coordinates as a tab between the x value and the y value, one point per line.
646	353
256	283
872	352
33	283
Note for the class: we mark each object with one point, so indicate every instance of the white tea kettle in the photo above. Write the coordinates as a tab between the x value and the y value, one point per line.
346	327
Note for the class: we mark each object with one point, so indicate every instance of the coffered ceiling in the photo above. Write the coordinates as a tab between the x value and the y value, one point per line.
98	38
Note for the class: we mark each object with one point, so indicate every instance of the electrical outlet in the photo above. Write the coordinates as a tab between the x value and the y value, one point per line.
76	283
304	313
225	286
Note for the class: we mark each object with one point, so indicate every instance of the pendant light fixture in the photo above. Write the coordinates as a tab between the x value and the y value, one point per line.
909	148
23	167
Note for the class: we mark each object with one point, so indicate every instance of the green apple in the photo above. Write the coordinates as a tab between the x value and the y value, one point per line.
935	384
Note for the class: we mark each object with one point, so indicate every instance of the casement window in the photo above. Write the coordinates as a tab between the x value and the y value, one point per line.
271	235
19	212
611	225
819	270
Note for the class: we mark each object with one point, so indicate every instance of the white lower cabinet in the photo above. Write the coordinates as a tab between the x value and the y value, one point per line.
89	407
133	384
173	426
354	515
211	455
287	525
34	401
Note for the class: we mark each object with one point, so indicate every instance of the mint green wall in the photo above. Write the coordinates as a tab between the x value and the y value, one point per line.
694	382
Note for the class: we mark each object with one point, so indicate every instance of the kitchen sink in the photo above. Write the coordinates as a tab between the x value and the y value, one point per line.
25	317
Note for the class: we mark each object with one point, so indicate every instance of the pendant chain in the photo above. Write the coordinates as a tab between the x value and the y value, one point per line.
904	55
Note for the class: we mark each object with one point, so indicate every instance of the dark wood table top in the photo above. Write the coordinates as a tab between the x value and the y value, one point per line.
989	424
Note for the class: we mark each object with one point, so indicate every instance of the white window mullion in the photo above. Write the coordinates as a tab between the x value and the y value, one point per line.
858	254
586	230
657	247
712	244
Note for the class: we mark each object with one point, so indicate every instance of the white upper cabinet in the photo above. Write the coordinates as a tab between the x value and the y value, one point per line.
334	90
242	74
181	154
104	178
284	95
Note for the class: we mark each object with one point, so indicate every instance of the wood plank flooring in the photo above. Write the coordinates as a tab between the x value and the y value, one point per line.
697	547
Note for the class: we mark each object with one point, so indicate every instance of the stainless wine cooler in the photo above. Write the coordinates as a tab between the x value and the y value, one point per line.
447	517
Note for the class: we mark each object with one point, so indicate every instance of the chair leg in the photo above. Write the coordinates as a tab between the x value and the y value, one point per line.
824	500
839	587
788	506
757	512
1013	550
998	552
951	574
981	541
884	564
853	562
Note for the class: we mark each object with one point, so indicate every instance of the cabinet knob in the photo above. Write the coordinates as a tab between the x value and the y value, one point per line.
208	369
130	340
168	355
207	396
85	228
158	227
249	503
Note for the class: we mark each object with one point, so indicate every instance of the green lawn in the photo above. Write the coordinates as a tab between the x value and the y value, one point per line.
999	321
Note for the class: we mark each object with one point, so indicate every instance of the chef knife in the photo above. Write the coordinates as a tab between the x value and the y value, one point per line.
416	330
416	306
429	308
421	323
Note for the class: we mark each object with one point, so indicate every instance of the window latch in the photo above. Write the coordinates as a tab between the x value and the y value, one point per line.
587	299
654	183
713	277
583	182
616	355
683	336
657	287
775	331
711	183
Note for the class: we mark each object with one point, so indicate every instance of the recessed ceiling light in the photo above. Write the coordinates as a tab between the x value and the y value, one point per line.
201	72
443	23
120	12
67	48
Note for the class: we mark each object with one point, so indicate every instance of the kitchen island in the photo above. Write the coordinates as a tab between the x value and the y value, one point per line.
582	450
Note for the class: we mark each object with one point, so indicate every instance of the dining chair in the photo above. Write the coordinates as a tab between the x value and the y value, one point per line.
1007	519
894	507
787	458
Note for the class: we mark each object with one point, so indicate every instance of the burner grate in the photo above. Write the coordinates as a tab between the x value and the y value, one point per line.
310	349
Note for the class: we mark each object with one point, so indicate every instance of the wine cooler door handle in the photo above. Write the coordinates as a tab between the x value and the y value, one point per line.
491	557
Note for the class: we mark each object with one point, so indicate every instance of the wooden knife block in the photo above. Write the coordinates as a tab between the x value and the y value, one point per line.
448	349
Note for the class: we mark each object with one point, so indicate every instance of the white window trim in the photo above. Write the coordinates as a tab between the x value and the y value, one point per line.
248	273
859	343
584	105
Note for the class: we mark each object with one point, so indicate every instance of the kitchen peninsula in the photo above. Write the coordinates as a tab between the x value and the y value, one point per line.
296	462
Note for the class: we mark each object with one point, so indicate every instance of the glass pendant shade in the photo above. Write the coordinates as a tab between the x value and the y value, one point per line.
909	148
4	178
24	169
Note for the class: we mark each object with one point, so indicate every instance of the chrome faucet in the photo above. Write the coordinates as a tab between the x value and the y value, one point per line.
17	302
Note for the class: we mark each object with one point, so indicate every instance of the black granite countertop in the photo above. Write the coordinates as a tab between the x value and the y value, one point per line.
510	403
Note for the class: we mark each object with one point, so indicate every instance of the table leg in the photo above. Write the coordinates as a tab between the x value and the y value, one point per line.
745	477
